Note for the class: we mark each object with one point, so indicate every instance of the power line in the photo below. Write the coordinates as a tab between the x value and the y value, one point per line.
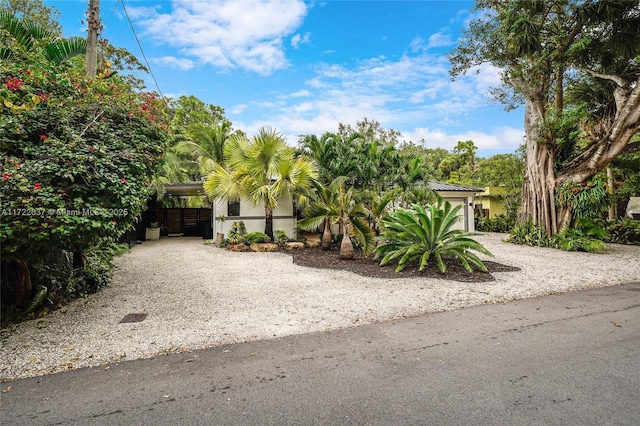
124	9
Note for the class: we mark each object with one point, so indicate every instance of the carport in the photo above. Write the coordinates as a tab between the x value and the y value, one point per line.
188	222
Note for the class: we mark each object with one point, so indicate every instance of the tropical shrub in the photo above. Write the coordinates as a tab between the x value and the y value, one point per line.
420	233
500	223
280	236
528	233
585	236
256	237
237	233
622	231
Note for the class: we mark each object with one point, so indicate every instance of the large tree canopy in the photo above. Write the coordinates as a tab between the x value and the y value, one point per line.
548	50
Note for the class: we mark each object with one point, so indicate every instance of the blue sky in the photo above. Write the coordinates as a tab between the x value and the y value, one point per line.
304	67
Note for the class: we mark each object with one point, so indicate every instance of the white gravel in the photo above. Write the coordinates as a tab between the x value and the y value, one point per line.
198	296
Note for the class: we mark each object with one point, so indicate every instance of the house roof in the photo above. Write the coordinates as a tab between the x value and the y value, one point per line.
441	186
184	189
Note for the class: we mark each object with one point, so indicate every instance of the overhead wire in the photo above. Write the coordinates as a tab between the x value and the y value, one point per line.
126	14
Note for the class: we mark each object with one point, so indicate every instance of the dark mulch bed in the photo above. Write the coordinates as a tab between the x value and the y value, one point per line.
369	267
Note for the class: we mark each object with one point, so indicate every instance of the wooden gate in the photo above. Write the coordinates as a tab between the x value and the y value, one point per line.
185	222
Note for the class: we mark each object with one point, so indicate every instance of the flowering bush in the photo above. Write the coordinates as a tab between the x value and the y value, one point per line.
78	157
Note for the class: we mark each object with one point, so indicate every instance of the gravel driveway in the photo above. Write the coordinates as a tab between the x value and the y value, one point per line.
198	296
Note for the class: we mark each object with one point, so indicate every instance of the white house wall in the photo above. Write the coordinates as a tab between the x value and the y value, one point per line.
253	217
465	218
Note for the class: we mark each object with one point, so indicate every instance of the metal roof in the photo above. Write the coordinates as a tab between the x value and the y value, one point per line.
441	186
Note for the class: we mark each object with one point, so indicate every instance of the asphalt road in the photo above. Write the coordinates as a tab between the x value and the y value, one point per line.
570	359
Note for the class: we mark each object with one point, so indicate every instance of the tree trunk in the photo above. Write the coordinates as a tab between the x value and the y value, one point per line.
346	246
327	238
611	191
80	259
538	188
268	222
16	282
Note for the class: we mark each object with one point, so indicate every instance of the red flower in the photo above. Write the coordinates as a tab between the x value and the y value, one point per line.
6	176
43	137
13	83
62	191
91	148
37	187
123	180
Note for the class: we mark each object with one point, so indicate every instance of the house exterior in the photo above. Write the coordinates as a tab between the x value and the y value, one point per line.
633	208
458	194
490	201
224	212
284	216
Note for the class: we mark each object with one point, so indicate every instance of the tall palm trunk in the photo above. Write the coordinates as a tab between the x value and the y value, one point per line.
327	238
346	246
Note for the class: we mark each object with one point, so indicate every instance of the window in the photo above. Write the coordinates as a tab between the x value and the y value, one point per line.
233	208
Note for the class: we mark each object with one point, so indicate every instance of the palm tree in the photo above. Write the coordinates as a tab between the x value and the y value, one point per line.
322	210
377	204
205	146
337	204
30	35
353	218
261	170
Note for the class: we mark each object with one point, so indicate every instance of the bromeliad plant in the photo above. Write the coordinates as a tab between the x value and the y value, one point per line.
421	233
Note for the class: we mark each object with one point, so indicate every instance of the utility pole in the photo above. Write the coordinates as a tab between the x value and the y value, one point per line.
94	28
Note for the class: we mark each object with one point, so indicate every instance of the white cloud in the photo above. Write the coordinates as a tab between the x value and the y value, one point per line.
226	33
238	109
440	39
300	94
417	44
298	39
397	92
181	63
503	138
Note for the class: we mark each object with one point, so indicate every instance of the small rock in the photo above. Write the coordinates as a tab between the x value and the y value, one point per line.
312	243
294	245
238	247
263	247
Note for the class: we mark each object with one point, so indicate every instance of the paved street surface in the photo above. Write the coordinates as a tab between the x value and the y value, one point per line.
570	359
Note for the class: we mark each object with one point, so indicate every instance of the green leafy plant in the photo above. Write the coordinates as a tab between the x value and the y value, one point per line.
78	158
585	236
528	233
501	223
622	231
280	236
586	201
237	233
256	237
338	203
420	233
